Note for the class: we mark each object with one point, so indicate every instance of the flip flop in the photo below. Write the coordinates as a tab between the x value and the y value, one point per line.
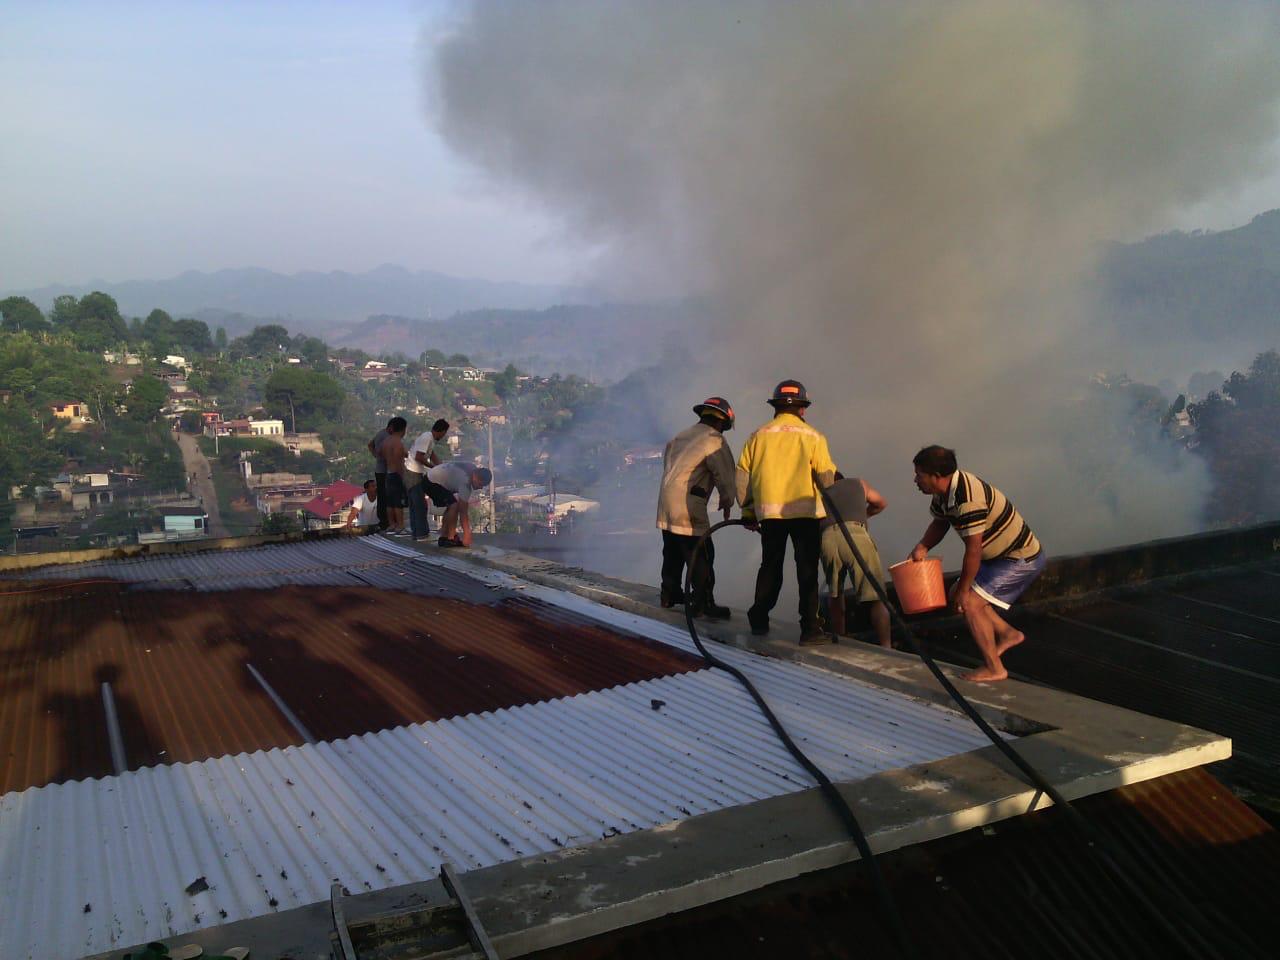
233	953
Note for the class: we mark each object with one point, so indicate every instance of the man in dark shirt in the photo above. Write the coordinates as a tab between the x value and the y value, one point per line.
380	472
856	500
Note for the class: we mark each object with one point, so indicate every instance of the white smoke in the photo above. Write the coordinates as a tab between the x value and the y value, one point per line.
899	203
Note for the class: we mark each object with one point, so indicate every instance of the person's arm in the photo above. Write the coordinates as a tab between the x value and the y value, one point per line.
822	464
720	464
932	537
371	449
425	460
875	501
968	571
351	517
743	484
464	521
433	459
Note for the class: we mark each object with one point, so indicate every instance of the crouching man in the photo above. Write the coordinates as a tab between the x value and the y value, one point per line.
1002	557
453	486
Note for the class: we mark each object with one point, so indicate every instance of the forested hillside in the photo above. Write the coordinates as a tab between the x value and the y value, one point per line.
1198	286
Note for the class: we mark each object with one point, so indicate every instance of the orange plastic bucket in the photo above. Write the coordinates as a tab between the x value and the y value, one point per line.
919	585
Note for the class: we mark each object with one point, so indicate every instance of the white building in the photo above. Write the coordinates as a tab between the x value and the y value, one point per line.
266	428
174	360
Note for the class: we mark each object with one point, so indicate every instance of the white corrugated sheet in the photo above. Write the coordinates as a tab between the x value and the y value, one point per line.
98	864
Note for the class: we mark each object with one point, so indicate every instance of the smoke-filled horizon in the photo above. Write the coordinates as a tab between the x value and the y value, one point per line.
899	204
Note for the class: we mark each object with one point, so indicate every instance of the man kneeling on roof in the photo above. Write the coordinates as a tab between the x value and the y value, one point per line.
453	486
1002	557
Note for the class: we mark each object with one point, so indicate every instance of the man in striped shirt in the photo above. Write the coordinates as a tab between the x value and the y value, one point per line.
1002	557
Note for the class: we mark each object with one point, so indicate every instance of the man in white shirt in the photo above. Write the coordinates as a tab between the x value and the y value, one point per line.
364	508
422	456
452	486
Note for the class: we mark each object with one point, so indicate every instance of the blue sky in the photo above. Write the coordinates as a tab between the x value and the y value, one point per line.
143	139
149	138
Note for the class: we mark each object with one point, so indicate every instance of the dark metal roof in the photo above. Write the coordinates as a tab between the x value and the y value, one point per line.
1023	888
384	642
1202	650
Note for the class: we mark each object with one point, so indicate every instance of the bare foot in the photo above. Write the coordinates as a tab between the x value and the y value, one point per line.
985	674
1011	640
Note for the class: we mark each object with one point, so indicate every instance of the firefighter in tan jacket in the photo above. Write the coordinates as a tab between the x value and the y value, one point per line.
695	461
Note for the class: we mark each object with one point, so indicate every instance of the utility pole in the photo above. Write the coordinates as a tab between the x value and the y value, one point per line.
493	478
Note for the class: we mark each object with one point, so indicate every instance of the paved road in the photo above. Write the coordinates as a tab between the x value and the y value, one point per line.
196	462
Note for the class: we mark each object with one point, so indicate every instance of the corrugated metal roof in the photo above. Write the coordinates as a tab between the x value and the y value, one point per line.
346	660
1021	888
272	830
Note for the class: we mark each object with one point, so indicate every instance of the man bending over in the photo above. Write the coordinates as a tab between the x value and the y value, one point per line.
1002	557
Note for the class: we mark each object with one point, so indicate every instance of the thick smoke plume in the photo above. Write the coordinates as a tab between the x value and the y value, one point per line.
899	203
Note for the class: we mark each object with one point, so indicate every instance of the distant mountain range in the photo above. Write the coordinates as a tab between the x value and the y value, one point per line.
315	301
604	341
1170	303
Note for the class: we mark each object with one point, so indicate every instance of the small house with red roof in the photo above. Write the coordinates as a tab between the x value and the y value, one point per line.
329	507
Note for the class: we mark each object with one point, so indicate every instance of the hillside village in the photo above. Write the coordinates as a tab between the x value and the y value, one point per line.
120	425
121	431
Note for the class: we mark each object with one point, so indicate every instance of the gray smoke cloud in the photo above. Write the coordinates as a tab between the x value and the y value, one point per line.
898	203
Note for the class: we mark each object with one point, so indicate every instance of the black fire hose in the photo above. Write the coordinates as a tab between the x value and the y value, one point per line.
1192	941
889	910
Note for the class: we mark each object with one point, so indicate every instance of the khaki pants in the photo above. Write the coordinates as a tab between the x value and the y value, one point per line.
837	559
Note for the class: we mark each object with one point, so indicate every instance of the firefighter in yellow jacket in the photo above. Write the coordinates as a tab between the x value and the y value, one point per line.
694	462
777	491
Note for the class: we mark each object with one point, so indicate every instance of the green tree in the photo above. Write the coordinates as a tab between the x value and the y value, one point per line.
220	338
304	396
314	351
98	325
19	313
146	398
264	341
25	458
504	385
65	312
459	360
192	336
157	329
432	358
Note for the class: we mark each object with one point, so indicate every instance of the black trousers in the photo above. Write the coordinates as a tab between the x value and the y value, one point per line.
381	480
806	542
677	553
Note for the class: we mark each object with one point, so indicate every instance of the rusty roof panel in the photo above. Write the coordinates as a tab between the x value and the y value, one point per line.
346	660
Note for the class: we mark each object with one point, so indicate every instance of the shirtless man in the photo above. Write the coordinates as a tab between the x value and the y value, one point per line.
394	453
1002	557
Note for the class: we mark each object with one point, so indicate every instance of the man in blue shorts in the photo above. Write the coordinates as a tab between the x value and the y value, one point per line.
1002	557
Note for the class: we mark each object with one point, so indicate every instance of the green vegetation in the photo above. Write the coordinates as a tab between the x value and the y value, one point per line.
1238	434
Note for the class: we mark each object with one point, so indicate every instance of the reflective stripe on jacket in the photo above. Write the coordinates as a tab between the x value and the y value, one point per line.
695	462
775	470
